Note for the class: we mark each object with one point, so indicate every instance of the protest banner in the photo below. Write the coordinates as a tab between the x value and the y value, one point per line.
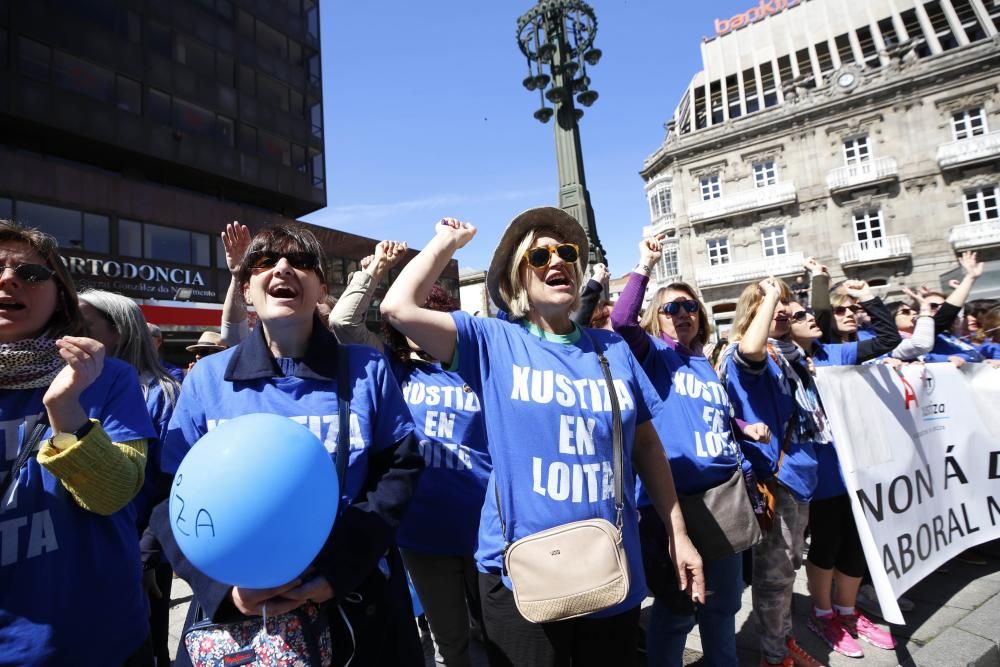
920	454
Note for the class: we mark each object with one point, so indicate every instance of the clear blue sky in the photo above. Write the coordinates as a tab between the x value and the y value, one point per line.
425	116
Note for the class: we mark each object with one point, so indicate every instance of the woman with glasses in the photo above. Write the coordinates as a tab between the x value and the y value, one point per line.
118	324
915	322
836	562
437	536
694	425
549	422
947	345
288	365
69	570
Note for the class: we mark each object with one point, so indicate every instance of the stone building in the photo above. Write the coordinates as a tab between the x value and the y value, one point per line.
866	134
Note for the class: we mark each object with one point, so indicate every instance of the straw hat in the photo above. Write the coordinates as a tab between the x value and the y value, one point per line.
562	223
210	341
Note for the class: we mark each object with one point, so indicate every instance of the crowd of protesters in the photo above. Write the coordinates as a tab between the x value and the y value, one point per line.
96	423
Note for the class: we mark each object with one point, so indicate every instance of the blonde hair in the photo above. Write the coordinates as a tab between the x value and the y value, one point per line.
746	307
651	323
840	298
513	289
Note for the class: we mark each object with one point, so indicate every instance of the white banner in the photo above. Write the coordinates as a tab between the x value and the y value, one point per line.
920	453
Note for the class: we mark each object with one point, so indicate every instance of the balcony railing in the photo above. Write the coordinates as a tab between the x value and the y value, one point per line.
975	235
742	272
862	173
768	196
966	151
875	250
660	224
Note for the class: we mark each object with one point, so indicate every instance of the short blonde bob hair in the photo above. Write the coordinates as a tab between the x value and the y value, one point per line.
746	307
513	289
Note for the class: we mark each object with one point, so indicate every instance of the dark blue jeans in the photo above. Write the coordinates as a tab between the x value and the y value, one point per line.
716	620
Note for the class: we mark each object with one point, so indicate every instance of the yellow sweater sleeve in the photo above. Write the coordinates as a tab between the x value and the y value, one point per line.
102	476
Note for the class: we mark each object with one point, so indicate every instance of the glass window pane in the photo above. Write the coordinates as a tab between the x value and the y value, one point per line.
274	148
246	24
220	254
129	238
193	118
129	95
34	58
314	69
318	171
296	105
158	39
248	138
299	158
272	92
316	119
248	79
83	77
62	223
224	68
271	41
200	249
224	130
167	244
158	106
6	209
96	233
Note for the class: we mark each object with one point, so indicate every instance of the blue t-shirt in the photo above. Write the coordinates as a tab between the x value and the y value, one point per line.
948	345
70	579
379	417
549	422
443	515
761	396
830	478
990	350
694	422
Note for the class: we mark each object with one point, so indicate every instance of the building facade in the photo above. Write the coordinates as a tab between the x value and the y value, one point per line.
134	131
866	134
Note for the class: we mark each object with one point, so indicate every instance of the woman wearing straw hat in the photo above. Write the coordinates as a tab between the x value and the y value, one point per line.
549	427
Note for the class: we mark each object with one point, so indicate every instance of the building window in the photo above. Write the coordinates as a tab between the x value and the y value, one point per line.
733	96
750	88
271	41
867	44
129	238
318	171
711	188
764	173
659	202
993	8
967	19
773	241
767	85
868	228
888	32
129	94
72	229
272	92
825	59
968	123
981	204
316	120
34	59
6	209
668	268
856	151
718	251
940	25
914	31
158	106
175	245
274	148
844	50
158	39
315	76
248	139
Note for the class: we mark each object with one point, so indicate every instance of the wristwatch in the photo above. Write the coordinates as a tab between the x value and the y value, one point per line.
64	440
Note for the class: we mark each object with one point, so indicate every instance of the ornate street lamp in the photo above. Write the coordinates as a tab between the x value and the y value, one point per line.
557	38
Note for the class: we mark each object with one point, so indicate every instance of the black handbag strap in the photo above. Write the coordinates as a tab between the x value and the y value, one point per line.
616	440
31	441
344	414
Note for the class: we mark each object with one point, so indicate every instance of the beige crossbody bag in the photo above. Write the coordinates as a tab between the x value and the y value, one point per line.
576	568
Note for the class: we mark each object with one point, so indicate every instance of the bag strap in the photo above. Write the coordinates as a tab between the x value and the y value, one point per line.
31	441
344	415
616	439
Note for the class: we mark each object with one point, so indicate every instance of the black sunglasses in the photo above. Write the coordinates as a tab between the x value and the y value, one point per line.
674	307
32	273
840	310
801	315
934	306
904	311
265	260
540	256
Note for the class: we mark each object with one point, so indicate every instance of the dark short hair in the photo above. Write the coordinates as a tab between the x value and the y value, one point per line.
395	342
283	238
66	320
894	306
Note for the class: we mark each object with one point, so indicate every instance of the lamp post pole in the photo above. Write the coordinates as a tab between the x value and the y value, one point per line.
557	37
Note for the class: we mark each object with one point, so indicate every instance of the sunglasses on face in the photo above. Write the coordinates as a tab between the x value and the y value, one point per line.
905	312
31	273
265	261
800	316
934	306
841	310
540	256
674	307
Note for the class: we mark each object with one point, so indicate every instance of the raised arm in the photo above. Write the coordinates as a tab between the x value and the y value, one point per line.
819	296
625	314
753	344
235	240
922	340
347	319
432	330
591	296
886	334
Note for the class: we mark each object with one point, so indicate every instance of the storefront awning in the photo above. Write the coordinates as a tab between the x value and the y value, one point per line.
183	316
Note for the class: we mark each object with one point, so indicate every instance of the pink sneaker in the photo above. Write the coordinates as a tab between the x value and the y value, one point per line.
833	633
861	626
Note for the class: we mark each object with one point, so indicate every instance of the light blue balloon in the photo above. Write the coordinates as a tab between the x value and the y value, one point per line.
254	500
